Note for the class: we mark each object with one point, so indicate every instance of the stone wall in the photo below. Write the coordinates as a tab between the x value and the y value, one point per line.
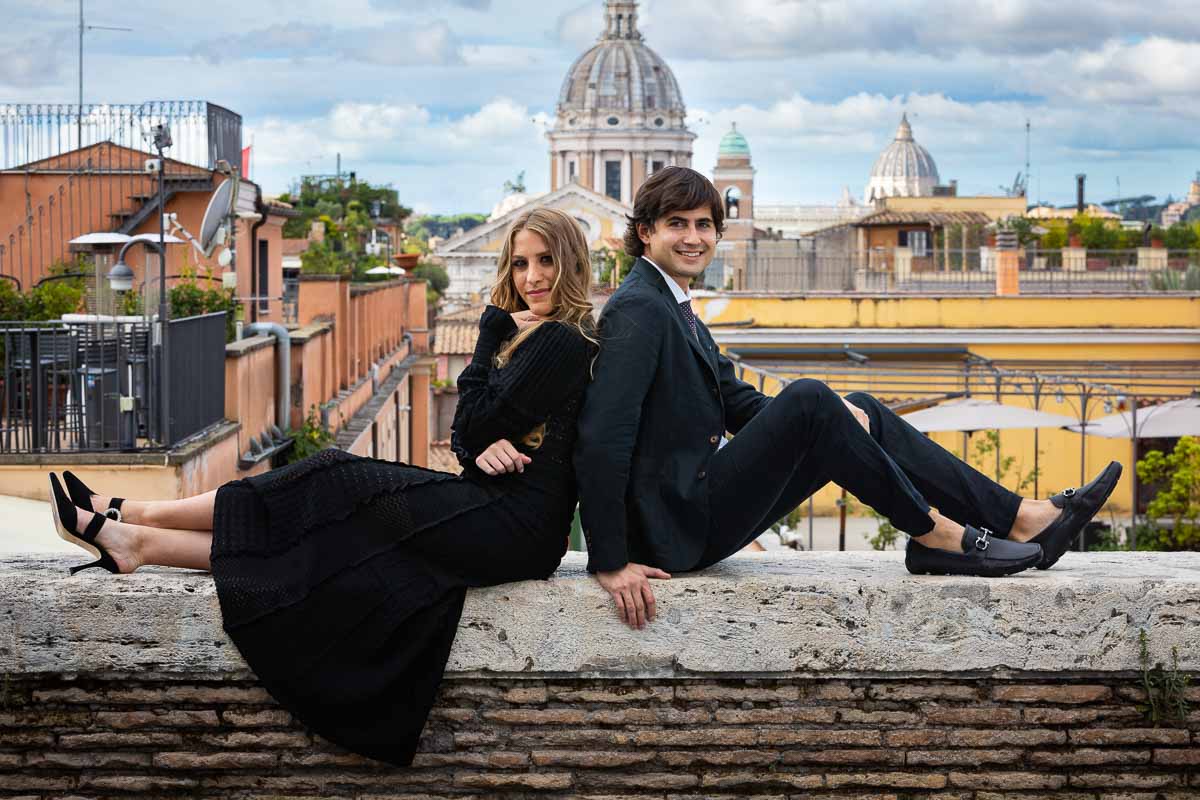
807	675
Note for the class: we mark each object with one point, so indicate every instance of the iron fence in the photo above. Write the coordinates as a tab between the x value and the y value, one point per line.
93	386
203	133
905	271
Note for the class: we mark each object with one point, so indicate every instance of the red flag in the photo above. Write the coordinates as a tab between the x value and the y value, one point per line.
246	161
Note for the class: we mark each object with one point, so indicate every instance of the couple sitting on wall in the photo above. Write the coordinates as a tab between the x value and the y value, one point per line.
341	579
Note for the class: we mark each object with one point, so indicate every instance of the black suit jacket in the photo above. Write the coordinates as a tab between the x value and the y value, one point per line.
657	407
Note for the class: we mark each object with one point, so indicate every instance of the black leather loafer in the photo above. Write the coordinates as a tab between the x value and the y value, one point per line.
982	555
1078	507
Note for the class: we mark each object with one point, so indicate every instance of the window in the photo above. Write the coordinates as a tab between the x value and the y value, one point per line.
733	197
613	121
656	166
570	170
658	123
918	241
264	272
612	179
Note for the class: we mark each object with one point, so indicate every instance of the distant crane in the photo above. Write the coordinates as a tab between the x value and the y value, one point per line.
1019	186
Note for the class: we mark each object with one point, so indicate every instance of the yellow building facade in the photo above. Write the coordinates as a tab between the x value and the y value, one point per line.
1084	352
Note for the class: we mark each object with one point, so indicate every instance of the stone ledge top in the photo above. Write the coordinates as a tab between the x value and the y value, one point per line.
766	614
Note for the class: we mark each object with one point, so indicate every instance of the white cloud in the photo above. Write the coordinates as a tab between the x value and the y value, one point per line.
387	45
32	62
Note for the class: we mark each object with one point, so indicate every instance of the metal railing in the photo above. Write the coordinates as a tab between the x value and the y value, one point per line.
203	133
92	386
904	271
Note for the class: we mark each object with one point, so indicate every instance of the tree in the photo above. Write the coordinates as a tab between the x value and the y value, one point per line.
435	275
1178	497
1180	236
319	259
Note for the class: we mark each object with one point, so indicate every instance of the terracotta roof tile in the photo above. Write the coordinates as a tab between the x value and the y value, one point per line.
935	218
455	338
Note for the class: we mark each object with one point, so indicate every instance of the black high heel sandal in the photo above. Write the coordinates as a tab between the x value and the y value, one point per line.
65	520
82	496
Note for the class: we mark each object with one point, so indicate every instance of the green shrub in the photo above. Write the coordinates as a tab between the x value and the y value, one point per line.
1178	498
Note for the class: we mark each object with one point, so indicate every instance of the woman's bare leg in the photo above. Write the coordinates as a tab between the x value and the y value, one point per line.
190	513
133	546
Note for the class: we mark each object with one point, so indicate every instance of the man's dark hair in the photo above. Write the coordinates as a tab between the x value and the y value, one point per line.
668	190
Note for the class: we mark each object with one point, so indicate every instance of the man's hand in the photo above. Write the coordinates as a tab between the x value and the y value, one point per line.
630	588
525	319
859	415
502	457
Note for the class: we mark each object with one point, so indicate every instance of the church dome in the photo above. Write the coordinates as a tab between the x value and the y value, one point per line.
903	169
733	145
621	75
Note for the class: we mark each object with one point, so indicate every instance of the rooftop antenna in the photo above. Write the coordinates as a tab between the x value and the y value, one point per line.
82	28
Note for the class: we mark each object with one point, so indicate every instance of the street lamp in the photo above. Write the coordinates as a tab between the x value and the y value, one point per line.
121	274
120	277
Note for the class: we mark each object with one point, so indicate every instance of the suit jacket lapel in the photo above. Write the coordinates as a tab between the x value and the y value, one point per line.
652	277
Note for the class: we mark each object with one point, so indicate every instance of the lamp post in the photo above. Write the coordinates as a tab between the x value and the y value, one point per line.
120	278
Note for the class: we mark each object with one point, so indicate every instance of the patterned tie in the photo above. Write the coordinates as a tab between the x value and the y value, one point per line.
686	308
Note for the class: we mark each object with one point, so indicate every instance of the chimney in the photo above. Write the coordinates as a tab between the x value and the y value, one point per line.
1079	179
954	187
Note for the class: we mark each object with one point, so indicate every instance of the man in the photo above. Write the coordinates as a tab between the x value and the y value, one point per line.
661	490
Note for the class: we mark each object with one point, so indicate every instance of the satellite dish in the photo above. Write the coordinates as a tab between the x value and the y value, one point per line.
212	230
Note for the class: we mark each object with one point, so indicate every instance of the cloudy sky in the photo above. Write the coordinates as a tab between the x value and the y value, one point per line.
446	99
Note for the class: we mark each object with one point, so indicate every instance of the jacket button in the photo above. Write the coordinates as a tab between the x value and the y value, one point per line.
702	475
713	439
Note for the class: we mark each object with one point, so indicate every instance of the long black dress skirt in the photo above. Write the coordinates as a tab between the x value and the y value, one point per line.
341	581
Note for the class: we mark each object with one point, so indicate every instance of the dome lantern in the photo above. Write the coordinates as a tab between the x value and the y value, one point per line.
620	112
903	169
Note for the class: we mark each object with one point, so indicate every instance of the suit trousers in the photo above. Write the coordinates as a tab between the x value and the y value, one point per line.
806	437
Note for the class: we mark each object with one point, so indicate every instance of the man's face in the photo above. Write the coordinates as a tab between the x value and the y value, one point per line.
681	243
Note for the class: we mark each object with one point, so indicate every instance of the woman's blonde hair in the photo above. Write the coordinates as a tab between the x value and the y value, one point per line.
569	295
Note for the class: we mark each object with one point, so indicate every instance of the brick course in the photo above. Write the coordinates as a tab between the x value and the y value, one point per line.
964	738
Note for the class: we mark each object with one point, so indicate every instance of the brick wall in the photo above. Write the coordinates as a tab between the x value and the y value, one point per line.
1024	736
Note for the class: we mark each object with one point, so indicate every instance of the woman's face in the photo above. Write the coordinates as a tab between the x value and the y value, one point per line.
533	271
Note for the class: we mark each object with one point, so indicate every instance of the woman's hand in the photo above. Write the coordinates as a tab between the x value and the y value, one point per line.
525	319
501	457
630	589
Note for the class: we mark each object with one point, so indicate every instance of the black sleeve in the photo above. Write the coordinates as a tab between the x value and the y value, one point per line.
630	344
508	403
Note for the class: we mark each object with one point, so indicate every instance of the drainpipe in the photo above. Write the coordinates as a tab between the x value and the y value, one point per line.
283	366
258	205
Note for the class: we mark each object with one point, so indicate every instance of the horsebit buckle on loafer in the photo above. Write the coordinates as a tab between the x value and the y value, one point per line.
113	513
1069	492
981	542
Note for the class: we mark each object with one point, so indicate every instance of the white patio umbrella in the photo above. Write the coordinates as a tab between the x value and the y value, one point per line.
396	270
1165	420
153	237
1162	421
101	237
378	271
976	414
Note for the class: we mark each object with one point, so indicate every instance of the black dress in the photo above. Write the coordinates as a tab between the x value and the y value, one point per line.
341	579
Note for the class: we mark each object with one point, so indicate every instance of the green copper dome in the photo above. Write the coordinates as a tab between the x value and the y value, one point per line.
733	144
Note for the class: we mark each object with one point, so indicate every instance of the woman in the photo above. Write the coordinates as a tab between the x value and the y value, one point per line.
341	579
